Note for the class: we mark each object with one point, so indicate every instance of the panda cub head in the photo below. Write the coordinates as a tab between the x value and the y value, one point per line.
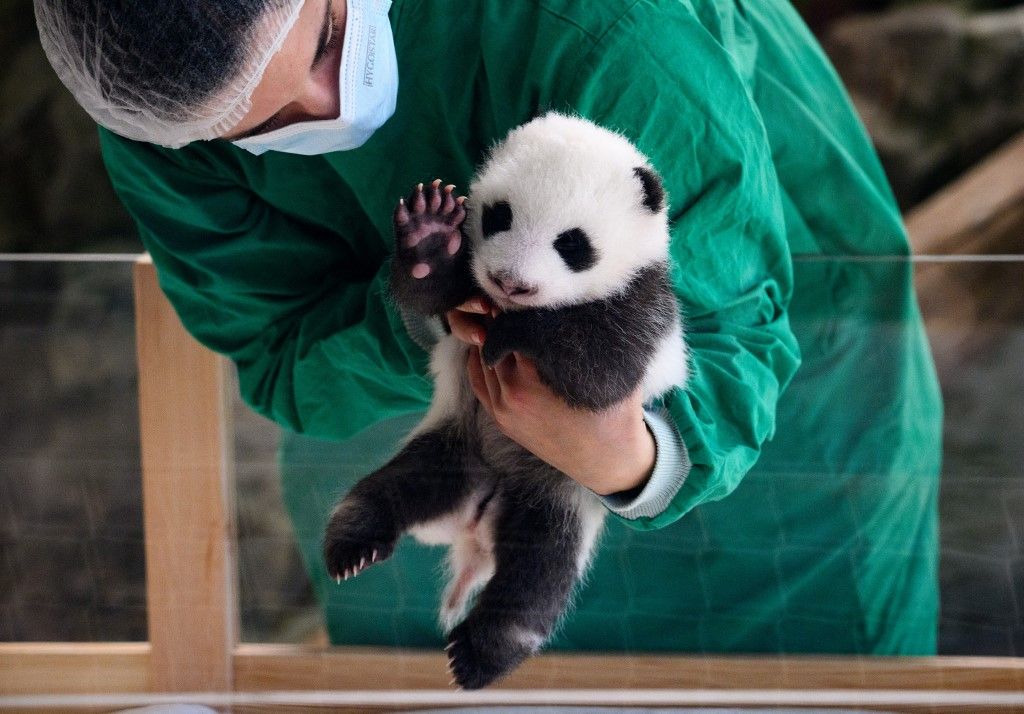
563	212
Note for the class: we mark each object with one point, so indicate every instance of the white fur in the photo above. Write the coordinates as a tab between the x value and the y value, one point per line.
470	562
559	173
669	367
448	367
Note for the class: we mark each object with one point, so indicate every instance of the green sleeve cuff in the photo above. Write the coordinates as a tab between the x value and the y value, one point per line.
671	466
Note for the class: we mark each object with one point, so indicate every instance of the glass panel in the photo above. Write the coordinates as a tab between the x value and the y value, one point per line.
71	548
70	516
823	544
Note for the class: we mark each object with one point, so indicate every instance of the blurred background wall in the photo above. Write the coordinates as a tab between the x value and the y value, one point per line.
939	85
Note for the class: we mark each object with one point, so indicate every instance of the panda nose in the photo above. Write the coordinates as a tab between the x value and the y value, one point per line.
511	284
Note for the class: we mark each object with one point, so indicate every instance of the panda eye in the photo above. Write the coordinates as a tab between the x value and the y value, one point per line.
496	218
576	249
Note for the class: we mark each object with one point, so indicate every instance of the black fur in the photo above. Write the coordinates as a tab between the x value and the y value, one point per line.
576	250
496	218
593	354
420	483
654	192
536	542
450	282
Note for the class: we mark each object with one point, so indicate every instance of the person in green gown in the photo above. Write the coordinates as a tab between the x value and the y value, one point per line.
790	504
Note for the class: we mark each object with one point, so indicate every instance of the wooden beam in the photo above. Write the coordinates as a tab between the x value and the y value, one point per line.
188	506
73	667
290	667
964	216
86	676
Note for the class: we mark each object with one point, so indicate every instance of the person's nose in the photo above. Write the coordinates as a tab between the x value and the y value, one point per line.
320	98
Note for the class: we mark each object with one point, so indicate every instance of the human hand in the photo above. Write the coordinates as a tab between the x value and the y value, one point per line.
468	321
607	451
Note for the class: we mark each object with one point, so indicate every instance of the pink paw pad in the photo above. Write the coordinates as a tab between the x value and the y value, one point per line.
427	226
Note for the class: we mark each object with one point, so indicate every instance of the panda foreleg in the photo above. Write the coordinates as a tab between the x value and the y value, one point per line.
430	272
425	480
538	550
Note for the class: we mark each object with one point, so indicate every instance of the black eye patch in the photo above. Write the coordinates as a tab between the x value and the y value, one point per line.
496	218
576	249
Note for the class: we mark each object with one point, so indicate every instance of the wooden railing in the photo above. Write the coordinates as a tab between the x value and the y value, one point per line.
192	596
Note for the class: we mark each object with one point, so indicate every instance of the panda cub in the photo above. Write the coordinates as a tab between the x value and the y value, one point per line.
565	230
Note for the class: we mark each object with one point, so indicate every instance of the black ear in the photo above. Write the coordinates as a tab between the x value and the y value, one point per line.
654	194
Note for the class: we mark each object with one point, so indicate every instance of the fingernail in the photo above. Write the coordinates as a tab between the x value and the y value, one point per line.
478	339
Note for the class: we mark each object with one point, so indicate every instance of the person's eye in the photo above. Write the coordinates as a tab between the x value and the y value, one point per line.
269	125
334	41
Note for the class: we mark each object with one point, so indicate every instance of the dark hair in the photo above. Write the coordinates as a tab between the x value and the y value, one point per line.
167	53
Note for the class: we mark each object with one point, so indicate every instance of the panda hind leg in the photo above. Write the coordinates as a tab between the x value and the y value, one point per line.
430	272
537	551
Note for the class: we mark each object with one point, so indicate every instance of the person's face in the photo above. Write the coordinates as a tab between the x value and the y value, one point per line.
301	81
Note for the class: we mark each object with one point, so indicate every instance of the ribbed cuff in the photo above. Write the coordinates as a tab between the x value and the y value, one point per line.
671	466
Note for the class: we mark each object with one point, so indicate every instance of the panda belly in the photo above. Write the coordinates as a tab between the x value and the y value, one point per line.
468	529
469	533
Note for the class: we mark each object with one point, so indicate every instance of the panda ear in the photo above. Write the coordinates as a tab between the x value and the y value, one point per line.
654	194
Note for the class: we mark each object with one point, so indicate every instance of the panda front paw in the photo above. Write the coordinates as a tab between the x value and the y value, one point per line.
430	273
357	536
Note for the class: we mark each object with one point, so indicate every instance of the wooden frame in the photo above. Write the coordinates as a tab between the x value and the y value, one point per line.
191	570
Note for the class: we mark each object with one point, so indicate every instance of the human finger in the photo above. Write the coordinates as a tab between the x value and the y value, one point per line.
478	304
491	381
466	327
505	372
475	368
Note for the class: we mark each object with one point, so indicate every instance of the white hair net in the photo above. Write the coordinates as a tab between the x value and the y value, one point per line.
166	72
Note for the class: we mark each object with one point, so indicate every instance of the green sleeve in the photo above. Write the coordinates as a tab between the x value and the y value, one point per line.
664	81
319	347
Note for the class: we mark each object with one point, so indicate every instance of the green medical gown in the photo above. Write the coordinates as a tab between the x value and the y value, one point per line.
808	521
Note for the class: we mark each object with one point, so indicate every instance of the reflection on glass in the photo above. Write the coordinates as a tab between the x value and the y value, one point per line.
831	544
829	541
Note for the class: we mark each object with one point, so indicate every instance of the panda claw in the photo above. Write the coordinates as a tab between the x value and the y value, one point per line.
434	196
419	201
401	213
373	559
449	204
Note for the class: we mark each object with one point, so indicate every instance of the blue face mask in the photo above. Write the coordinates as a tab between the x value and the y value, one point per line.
367	85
